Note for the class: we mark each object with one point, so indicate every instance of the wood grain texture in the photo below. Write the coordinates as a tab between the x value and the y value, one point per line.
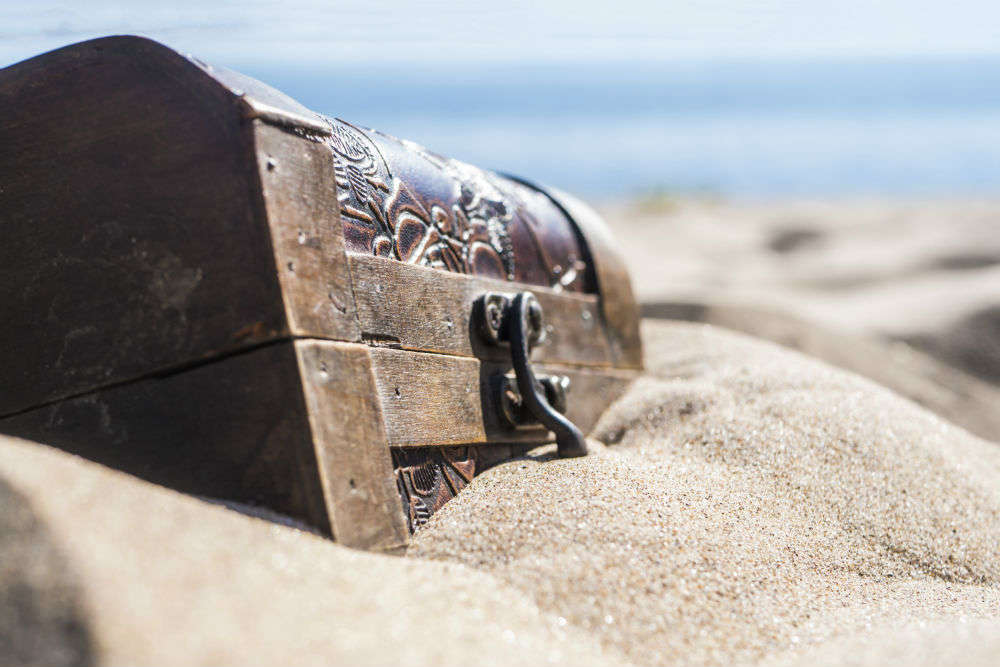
351	446
433	399
132	241
299	196
234	429
427	310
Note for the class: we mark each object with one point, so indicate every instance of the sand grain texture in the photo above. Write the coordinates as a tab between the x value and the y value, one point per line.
752	503
941	387
968	643
151	577
744	504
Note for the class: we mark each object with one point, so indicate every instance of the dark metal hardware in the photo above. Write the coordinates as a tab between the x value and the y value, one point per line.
517	321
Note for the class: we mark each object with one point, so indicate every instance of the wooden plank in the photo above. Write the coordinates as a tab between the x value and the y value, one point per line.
428	310
351	447
132	239
235	429
299	195
302	428
432	399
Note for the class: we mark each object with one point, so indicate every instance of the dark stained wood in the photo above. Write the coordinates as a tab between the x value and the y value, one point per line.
235	429
179	301
291	427
300	200
433	399
351	447
132	241
428	310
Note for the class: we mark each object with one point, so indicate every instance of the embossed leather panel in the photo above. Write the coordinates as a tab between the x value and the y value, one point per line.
401	201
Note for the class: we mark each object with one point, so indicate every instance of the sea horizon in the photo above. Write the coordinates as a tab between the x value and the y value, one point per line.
897	127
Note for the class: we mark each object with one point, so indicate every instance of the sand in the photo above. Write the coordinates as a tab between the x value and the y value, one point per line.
751	503
745	503
942	388
921	272
970	643
111	570
906	292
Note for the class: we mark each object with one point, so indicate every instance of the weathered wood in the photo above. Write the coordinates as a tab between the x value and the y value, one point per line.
131	239
234	429
301	428
351	447
210	286
300	200
428	310
292	427
433	399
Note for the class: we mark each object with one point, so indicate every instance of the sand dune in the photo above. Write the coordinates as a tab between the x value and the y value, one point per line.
942	388
839	280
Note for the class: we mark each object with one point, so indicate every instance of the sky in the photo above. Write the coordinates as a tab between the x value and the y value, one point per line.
514	31
745	98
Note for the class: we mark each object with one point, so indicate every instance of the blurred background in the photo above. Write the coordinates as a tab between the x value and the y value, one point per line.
822	174
717	97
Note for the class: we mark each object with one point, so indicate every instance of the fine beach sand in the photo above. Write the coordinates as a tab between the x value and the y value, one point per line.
905	292
750	503
744	504
923	272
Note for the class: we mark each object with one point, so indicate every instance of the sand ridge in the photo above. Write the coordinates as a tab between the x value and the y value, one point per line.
744	504
149	576
752	503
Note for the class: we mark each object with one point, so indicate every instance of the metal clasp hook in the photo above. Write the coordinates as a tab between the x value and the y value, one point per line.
518	322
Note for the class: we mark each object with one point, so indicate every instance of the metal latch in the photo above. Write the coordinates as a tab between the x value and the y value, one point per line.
517	321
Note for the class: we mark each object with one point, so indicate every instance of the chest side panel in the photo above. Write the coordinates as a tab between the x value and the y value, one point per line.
132	242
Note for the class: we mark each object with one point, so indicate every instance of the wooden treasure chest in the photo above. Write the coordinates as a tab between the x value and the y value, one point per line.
209	286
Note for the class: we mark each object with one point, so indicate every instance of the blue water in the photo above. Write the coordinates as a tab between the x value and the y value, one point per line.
737	129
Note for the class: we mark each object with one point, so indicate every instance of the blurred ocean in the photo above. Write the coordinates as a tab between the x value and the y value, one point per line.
730	129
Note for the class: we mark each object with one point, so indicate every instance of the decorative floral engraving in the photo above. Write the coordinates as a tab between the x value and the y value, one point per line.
401	201
428	477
